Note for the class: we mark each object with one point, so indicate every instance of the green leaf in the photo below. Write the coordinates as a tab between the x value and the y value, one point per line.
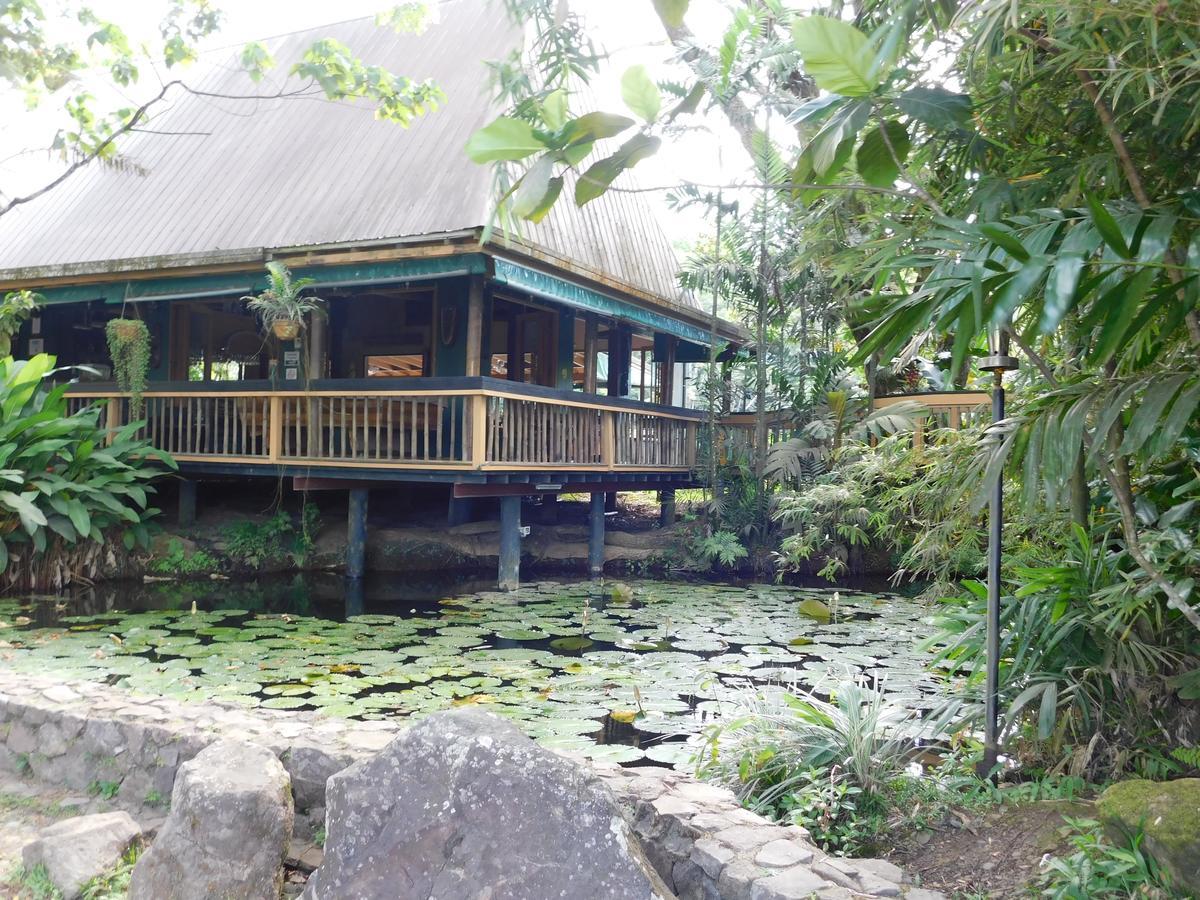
505	139
1046	714
875	160
533	186
690	103
837	56
596	180
671	11
595	126
1145	421
640	93
1108	228
554	109
937	107
1006	240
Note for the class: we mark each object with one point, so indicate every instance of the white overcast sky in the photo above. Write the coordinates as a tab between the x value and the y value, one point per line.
627	29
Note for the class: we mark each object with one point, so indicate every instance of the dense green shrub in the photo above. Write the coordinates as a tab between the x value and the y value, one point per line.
73	493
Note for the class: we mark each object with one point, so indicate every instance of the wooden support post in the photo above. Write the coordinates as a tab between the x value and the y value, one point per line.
596	536
112	419
666	375
919	434
610	501
475	327
476	443
608	439
356	534
548	510
509	576
275	429
591	342
666	515
187	502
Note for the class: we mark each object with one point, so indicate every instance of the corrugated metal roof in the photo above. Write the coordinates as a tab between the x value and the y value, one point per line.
235	175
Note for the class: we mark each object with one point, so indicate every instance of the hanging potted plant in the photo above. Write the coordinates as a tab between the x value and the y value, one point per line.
129	348
16	307
281	308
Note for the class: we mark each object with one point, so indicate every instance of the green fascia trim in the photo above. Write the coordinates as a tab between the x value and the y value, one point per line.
553	288
251	282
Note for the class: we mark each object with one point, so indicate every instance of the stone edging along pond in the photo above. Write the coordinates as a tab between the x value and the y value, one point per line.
700	840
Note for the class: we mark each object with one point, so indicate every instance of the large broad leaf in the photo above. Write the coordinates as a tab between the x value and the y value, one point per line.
837	56
505	139
881	154
640	93
831	147
554	109
596	126
671	11
596	180
937	107
533	187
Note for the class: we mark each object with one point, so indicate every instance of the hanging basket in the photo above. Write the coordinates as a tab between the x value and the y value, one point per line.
286	329
126	329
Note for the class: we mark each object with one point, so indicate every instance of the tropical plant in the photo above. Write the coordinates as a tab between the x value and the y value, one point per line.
1095	671
777	736
282	307
74	492
1103	868
129	349
16	307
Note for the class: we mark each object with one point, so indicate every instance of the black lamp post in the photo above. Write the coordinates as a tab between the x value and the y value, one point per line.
997	362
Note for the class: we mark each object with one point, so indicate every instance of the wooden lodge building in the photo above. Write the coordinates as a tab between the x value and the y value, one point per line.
499	367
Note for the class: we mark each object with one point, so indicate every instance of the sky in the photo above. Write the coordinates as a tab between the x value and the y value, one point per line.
627	29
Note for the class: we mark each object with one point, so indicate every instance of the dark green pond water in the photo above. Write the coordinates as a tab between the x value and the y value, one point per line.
625	672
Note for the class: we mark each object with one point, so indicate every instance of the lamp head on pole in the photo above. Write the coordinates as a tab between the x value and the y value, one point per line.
998	361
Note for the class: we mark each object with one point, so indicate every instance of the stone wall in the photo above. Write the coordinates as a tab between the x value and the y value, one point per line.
698	837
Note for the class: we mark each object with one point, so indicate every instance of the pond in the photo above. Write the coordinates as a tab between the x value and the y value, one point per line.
625	672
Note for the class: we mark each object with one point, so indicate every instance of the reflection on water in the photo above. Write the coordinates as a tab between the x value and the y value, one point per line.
626	672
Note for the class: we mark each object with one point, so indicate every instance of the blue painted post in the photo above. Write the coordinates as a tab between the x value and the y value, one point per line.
356	534
509	576
355	597
187	502
596	536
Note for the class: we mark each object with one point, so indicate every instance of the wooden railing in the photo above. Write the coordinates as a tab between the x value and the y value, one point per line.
946	409
459	423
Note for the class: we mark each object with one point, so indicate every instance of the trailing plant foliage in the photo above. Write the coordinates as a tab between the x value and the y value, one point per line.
71	495
129	349
16	307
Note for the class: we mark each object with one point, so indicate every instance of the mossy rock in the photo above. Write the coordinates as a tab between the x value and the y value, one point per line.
1168	812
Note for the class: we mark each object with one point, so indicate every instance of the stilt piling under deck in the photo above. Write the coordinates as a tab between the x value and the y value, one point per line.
356	534
596	536
509	576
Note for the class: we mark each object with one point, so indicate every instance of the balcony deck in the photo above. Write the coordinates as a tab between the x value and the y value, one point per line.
446	429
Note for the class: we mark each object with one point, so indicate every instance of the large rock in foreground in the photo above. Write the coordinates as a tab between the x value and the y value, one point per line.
1168	812
229	827
74	851
462	805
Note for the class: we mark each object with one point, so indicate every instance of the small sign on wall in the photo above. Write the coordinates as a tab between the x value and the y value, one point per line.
36	346
291	365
